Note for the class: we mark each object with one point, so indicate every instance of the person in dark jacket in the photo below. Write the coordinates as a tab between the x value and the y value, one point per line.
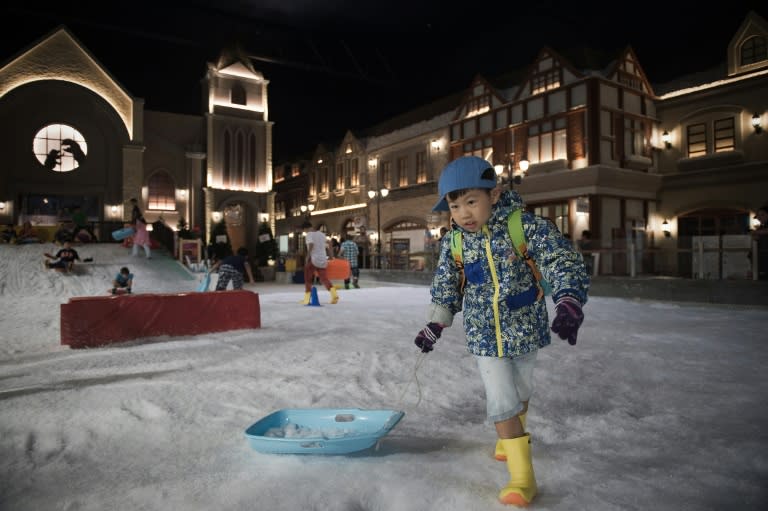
64	260
232	268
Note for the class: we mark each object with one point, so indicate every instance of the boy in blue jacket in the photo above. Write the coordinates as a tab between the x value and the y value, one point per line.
505	315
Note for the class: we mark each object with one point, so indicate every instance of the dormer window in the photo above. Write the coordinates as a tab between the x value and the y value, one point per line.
545	81
478	105
754	50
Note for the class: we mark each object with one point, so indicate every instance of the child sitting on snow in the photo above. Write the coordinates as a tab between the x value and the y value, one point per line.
64	260
123	281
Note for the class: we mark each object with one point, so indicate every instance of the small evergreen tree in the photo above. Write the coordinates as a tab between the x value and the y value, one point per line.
219	250
183	229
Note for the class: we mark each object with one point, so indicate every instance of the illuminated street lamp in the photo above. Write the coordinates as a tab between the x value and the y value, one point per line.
383	192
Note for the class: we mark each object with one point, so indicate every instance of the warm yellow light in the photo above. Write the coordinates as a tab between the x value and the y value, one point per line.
47	61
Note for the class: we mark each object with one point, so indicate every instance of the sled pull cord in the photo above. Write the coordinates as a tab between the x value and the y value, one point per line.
415	377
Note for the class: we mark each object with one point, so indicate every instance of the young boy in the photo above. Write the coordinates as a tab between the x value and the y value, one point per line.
123	281
505	315
65	258
233	268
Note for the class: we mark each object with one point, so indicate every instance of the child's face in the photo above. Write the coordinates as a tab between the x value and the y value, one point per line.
473	209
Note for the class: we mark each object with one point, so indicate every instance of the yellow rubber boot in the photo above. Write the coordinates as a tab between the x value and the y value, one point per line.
521	488
499	453
307	295
334	296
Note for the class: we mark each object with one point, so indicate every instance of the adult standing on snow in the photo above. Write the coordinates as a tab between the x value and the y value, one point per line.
317	261
141	238
349	251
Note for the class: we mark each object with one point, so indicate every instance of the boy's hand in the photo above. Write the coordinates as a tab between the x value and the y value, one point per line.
428	336
568	319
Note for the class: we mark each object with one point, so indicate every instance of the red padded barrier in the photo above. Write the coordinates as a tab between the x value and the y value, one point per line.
95	321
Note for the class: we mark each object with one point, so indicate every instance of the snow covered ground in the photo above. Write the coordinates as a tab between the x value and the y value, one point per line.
659	406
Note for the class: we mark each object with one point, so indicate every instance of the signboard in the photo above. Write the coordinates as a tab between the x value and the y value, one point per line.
189	250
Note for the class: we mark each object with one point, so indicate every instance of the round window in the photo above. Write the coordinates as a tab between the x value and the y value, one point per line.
60	148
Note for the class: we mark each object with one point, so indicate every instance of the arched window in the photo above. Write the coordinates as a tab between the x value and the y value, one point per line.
250	179
60	148
162	193
239	158
227	163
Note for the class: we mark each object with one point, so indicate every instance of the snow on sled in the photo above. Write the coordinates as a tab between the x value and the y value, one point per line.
321	430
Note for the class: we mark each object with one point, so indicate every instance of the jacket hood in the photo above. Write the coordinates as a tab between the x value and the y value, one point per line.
508	201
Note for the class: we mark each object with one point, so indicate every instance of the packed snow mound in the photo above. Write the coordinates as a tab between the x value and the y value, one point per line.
31	293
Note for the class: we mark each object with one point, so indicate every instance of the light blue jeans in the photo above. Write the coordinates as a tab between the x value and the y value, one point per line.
508	383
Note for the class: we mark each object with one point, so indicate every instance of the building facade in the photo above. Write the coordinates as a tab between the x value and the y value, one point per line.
73	136
665	179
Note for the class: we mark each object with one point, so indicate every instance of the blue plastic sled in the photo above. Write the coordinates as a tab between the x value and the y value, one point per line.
205	283
121	234
321	430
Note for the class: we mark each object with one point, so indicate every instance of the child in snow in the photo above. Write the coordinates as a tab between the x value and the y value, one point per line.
141	238
123	281
65	258
233	268
505	315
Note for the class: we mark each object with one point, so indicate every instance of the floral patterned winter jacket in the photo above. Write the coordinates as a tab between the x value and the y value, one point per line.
502	315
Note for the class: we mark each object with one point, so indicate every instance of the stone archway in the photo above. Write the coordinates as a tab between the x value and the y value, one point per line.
406	243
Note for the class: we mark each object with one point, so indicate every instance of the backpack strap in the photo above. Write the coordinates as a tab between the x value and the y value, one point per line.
519	243
457	242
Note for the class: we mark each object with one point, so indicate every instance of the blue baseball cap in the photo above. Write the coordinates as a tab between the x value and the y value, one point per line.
462	173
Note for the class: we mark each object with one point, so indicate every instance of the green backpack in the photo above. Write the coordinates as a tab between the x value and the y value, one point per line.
519	244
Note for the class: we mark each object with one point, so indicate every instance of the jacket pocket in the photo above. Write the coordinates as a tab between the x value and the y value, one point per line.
522	299
474	272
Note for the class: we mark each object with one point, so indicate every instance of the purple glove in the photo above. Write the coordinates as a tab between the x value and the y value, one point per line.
568	318
428	337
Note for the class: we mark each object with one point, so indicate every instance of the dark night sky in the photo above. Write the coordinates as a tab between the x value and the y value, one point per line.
335	65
